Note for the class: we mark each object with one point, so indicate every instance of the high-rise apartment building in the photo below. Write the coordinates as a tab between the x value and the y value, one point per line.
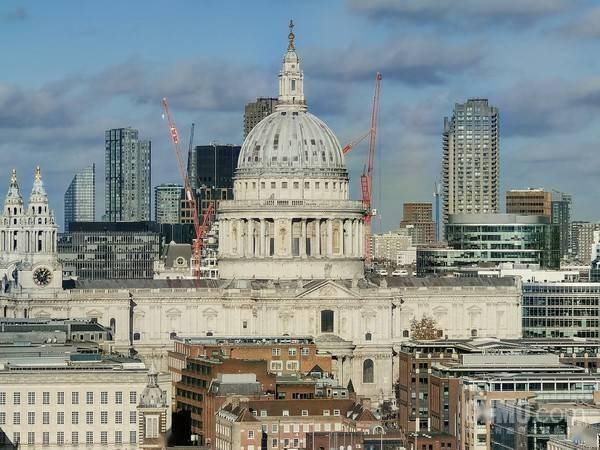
127	176
167	203
471	159
417	217
582	238
529	202
80	197
561	215
257	111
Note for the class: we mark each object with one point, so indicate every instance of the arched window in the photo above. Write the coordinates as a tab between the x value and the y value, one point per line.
368	336
113	326
405	333
368	371
173	335
327	321
5	310
473	333
136	336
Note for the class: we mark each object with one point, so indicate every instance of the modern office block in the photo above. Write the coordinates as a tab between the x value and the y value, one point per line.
167	203
561	215
127	176
256	111
536	202
80	197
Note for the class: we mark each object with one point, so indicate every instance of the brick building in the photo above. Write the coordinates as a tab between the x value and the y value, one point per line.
277	424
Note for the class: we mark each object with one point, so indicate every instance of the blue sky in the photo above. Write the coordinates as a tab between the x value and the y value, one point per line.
71	69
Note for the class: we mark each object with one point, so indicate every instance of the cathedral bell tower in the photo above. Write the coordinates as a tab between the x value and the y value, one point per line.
28	239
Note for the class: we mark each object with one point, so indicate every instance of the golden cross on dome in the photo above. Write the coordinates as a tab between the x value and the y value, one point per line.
13	176
291	35
38	174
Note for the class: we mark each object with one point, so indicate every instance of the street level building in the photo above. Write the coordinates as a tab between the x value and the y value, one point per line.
492	239
80	197
167	203
417	218
105	250
534	202
254	112
127	173
394	247
471	159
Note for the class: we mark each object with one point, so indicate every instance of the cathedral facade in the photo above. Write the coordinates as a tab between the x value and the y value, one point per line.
290	259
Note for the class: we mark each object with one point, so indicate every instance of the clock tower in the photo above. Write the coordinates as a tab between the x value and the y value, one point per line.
28	237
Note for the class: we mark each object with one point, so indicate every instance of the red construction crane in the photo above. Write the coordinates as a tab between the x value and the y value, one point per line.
366	179
355	142
200	228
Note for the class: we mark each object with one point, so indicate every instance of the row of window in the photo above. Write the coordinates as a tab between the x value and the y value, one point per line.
295	185
292	351
60	398
60	418
60	438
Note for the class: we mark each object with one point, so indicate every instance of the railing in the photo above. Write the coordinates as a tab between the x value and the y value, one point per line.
321	204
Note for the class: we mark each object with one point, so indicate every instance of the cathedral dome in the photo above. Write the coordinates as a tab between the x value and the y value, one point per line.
291	140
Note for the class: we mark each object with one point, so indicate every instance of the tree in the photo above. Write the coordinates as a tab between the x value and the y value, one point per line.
424	329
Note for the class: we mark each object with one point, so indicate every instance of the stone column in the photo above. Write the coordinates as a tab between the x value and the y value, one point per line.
250	238
303	238
239	240
351	237
342	240
317	243
290	243
329	237
262	239
361	239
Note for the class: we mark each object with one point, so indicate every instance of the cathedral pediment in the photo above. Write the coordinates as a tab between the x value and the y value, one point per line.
326	289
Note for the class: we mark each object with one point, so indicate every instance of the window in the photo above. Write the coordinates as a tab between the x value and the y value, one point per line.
46	398
60	398
272	185
151	430
284	184
31	418
250	434
245	324
305	351
292	351
31	398
325	412
276	351
89	418
118	437
46	418
274	428
89	437
305	412
119	398
132	417
133	436
285	412
16	437
368	371
89	398
132	397
307	185
16	398
104	397
104	437
104	417
74	398
368	336
317	184
296	185
2	398
327	321
2	418
75	418
405	333
45	438
292	365
336	412
74	437
274	442
31	437
118	416
276	366
60	438
60	418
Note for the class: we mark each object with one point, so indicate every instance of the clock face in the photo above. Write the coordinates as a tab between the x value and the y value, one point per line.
42	276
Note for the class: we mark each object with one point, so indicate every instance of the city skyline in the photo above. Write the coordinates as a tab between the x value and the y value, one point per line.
57	106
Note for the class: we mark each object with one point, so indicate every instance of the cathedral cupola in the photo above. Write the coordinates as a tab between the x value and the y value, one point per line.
291	79
13	204
38	200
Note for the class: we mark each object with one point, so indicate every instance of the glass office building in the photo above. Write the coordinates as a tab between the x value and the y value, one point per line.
490	239
80	197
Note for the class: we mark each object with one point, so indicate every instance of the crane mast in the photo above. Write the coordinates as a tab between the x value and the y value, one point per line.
200	229
366	179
